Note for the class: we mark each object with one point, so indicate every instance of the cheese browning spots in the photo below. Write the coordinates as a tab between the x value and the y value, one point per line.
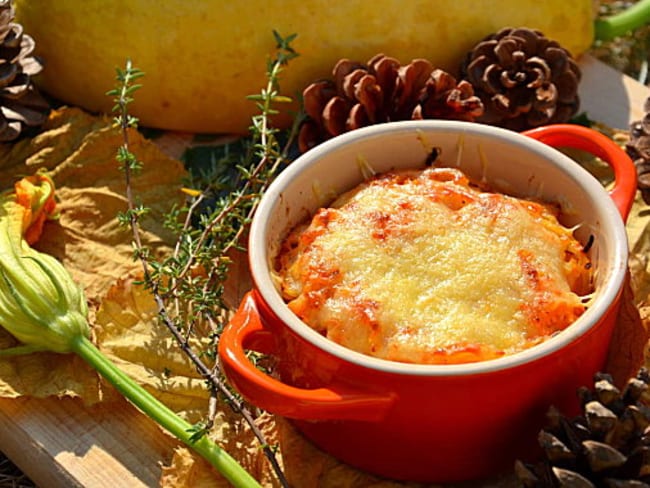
424	267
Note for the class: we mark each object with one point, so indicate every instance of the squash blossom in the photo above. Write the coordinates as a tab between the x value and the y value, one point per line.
42	307
39	304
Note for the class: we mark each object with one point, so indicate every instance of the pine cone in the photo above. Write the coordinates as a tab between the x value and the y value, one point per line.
638	148
20	102
381	91
608	445
524	79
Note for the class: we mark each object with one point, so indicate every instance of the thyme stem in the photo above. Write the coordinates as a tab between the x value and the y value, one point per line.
160	413
173	283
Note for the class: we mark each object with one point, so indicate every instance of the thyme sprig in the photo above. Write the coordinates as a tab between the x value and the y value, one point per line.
129	163
189	286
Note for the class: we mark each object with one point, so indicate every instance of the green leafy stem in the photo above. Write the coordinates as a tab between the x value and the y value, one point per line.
623	22
161	414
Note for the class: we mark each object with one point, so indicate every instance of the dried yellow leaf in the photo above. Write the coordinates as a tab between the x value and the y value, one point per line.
79	151
127	331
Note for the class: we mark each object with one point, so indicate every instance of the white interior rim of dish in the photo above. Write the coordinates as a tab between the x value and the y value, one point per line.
608	292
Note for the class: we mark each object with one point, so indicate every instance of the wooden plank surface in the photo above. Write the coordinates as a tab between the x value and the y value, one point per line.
61	443
608	96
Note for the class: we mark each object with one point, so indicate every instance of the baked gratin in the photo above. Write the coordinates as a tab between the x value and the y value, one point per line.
426	267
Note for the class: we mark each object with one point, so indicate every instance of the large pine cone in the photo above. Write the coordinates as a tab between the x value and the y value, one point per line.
607	446
638	148
21	105
524	79
381	91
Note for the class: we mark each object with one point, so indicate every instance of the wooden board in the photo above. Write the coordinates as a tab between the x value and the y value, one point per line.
608	96
61	443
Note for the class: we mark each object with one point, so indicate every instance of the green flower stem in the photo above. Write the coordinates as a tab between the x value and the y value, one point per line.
624	22
166	418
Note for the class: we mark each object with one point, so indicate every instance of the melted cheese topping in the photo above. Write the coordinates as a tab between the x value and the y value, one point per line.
423	267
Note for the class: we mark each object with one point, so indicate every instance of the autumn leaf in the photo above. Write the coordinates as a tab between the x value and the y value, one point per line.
78	150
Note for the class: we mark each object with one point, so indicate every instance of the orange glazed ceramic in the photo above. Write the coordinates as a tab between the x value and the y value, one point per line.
431	423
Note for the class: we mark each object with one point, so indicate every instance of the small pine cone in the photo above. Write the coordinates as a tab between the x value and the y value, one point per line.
21	105
381	91
608	445
443	98
523	79
638	148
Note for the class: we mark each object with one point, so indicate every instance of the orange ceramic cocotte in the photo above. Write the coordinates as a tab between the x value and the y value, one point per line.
431	423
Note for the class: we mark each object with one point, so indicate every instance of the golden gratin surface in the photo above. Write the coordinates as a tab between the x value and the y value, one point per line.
424	267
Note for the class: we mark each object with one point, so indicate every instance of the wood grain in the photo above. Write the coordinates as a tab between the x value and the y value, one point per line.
61	443
609	97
